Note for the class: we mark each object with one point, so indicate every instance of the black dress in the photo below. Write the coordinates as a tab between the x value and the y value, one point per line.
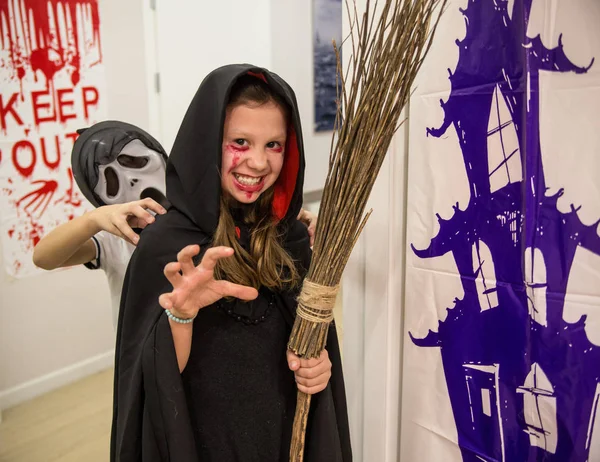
241	394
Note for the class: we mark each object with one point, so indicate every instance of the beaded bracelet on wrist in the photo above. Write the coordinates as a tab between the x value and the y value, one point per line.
174	318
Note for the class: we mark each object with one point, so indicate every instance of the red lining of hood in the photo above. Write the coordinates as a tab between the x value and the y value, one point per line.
286	182
258	76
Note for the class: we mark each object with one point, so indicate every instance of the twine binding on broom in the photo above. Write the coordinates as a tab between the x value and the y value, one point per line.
316	302
313	316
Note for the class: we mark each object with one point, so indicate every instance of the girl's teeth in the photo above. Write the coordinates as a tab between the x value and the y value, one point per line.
249	181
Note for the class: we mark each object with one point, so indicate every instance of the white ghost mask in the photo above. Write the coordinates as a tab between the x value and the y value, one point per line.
137	172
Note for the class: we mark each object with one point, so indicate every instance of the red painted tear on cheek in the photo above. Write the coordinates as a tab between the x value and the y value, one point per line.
236	152
235	161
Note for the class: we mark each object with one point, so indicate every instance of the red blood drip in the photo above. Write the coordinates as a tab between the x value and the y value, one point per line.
35	37
237	152
42	60
70	197
35	237
32	234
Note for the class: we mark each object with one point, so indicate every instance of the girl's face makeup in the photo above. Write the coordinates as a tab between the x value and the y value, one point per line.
253	150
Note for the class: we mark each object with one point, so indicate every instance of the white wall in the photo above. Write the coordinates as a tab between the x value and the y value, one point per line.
123	40
373	321
292	59
57	327
276	34
194	38
54	328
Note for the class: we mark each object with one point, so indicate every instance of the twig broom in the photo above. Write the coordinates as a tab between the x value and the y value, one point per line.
387	54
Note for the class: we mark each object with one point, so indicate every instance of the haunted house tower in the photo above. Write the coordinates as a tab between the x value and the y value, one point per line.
523	383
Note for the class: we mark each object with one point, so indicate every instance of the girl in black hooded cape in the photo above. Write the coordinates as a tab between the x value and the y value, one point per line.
235	399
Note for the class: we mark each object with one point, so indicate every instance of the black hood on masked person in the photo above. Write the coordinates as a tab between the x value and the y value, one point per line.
151	420
102	145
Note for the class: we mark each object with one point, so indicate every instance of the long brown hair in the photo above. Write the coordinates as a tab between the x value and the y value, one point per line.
266	263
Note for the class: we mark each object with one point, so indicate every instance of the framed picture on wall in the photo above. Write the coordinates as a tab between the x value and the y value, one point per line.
327	26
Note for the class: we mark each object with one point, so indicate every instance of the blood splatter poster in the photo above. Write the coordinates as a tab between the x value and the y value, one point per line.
52	83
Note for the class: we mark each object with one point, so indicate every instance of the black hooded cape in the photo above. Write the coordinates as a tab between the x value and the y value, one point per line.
152	420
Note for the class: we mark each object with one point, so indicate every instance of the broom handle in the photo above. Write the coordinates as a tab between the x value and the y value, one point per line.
299	429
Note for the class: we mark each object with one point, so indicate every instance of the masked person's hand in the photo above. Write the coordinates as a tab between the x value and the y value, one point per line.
310	220
120	219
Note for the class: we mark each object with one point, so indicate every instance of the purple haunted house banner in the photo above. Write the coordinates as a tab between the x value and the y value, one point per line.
502	352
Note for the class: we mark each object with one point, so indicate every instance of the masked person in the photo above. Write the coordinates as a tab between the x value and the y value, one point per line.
120	169
202	369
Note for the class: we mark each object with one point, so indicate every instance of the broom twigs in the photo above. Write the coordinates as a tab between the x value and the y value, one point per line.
362	49
371	34
396	102
387	54
339	81
363	105
354	25
350	35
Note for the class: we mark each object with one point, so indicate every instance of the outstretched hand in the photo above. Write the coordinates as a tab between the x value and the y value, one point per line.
195	287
